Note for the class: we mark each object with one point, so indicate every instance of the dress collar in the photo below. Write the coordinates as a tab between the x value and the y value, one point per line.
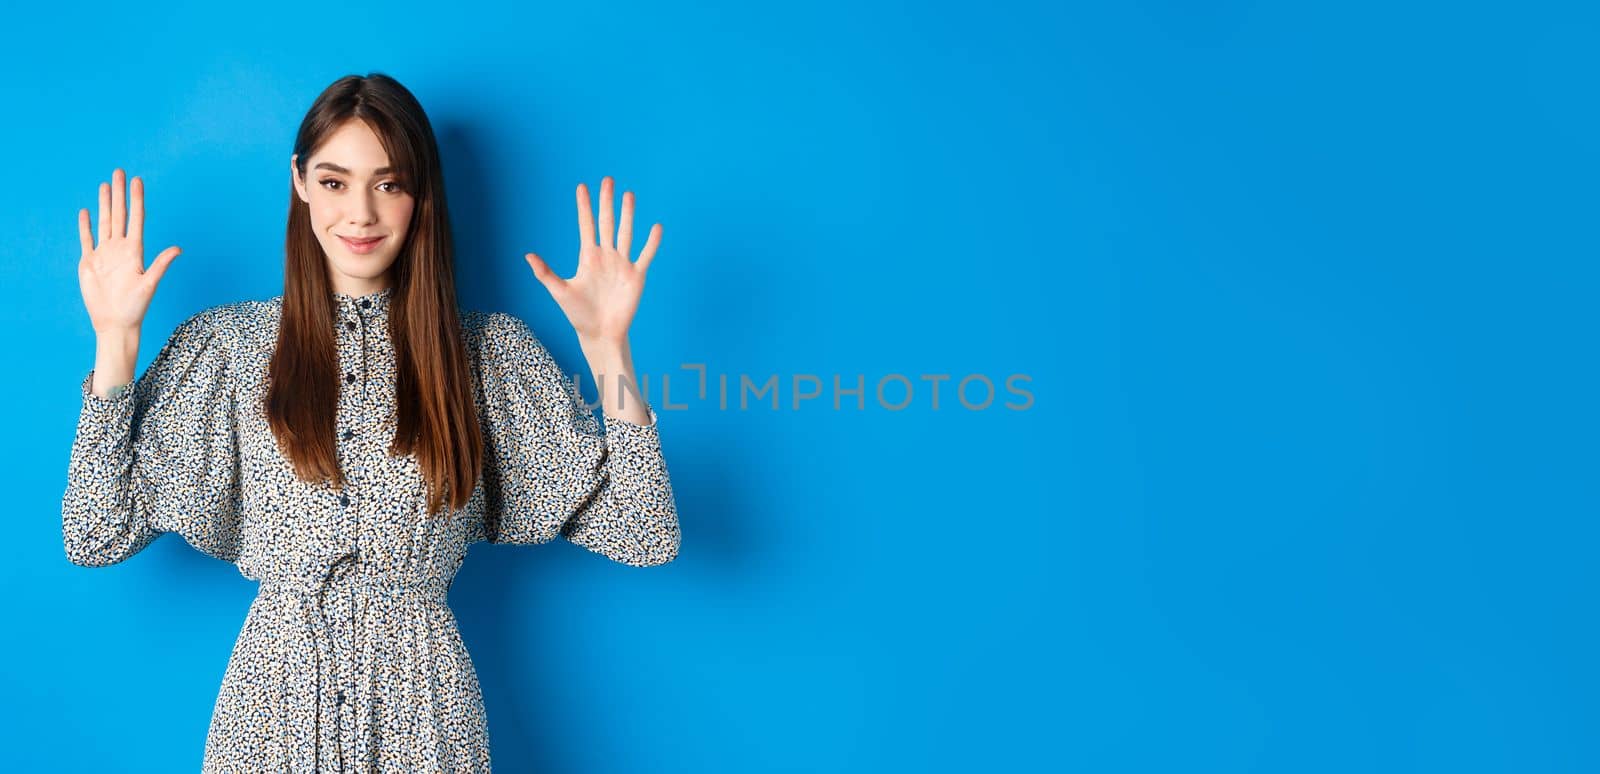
369	305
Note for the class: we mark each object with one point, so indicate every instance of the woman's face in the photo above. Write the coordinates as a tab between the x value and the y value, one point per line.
353	196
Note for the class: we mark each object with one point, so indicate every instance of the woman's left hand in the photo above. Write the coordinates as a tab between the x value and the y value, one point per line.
600	300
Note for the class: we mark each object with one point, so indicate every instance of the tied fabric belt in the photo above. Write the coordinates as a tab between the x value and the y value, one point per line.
329	674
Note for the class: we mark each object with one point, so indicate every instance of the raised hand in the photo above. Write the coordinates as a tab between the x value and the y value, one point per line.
600	300
116	286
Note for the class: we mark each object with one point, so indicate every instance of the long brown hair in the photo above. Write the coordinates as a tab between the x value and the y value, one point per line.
436	417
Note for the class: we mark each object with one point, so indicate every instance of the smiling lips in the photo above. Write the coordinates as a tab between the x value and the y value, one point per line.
361	246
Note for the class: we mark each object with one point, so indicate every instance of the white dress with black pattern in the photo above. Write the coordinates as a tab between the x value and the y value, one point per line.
349	659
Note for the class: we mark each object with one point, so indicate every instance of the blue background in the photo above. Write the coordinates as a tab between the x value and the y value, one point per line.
1306	293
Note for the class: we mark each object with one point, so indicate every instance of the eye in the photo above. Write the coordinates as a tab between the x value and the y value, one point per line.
325	181
397	188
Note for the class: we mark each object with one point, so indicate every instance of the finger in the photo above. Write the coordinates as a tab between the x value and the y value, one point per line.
608	225
105	212
158	268
119	206
544	273
625	230
136	210
85	237
585	217
649	252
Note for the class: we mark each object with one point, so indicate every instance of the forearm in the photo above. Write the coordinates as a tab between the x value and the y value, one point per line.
103	520
611	364
632	516
115	355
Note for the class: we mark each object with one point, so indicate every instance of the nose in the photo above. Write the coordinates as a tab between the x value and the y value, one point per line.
362	211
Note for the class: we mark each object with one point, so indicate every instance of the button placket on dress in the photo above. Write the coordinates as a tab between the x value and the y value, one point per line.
343	651
353	700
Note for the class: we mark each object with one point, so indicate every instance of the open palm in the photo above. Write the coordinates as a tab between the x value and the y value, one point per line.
116	286
601	299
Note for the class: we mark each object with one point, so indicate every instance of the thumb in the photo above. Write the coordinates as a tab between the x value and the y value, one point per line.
546	276
158	267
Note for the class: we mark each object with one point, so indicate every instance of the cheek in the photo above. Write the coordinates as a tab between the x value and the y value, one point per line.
399	214
322	212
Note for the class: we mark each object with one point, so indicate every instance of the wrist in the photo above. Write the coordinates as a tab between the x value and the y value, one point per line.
117	347
116	353
116	341
603	347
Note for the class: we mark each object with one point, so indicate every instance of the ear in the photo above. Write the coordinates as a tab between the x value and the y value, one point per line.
294	177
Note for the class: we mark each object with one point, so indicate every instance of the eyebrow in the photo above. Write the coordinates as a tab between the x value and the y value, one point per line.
342	170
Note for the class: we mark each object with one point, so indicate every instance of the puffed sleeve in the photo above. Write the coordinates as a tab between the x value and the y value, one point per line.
162	456
548	470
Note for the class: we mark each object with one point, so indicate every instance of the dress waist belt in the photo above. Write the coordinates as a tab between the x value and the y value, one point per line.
310	589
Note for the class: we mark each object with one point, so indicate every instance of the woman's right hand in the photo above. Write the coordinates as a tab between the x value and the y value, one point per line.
116	286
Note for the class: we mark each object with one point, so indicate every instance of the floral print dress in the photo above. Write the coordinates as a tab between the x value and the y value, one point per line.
349	659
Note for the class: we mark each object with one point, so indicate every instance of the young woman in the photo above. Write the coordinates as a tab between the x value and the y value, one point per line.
344	442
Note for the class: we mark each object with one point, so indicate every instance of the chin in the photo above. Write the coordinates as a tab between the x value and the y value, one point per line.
367	267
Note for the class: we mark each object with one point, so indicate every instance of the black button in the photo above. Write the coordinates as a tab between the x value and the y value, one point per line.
348	434
350	324
344	499
366	302
351	378
339	698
